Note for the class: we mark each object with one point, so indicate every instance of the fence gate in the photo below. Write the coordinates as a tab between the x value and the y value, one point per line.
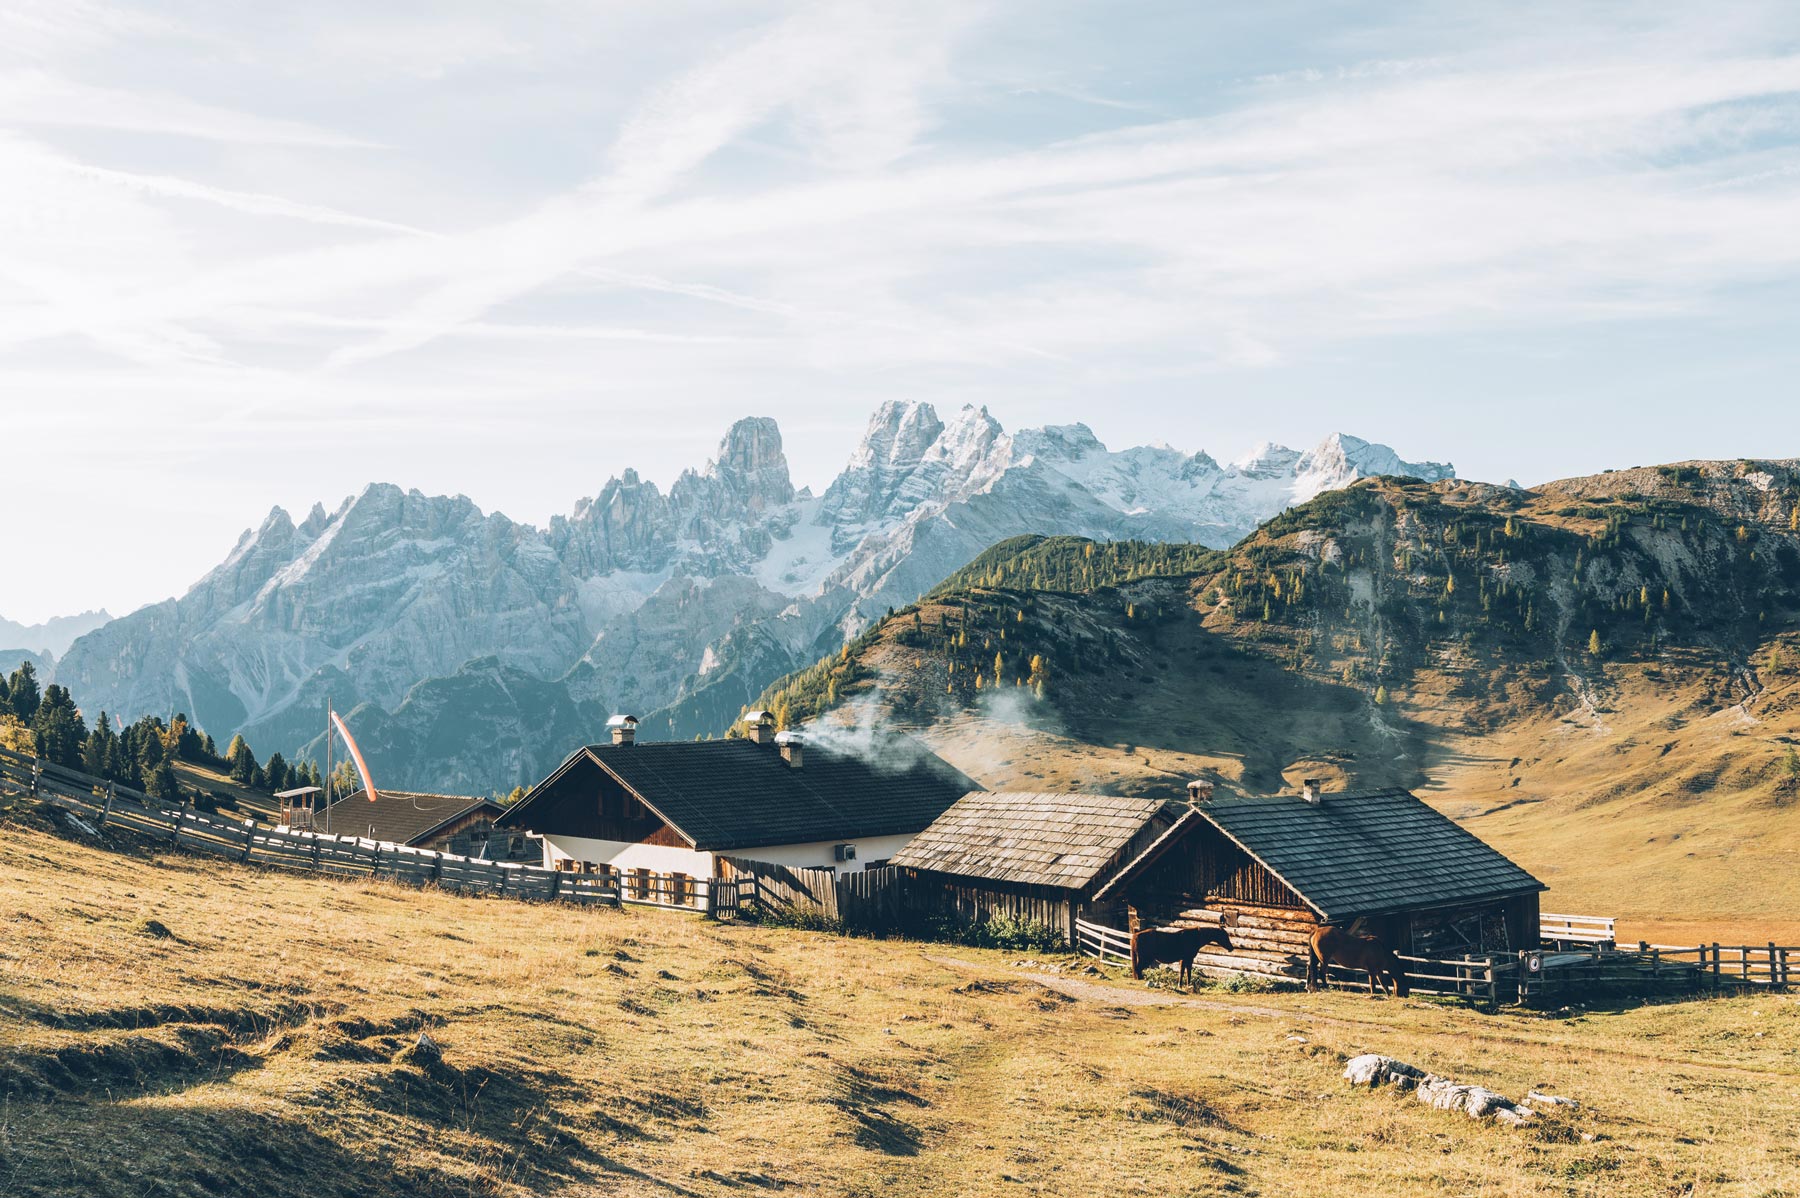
725	898
1097	940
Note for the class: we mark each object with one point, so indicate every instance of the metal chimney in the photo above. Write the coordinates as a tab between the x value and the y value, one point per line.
1309	790
623	728
759	726
1199	791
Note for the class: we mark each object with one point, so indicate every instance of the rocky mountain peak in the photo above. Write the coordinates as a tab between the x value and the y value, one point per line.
752	466
1058	442
1340	458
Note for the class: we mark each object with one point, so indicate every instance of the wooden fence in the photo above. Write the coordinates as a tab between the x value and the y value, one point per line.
1099	941
99	804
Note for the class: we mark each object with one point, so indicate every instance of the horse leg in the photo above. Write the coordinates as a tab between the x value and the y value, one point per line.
1312	969
1374	985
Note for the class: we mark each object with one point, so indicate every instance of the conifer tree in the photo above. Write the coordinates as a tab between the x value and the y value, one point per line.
1594	643
22	692
57	728
241	762
97	753
161	783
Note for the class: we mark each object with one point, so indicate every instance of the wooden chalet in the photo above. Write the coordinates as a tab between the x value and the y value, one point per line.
673	811
1027	855
459	824
1273	868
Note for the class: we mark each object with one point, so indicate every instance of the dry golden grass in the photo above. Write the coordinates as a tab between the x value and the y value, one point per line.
259	1047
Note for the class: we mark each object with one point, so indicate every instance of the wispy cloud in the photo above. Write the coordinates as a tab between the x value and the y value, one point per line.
464	206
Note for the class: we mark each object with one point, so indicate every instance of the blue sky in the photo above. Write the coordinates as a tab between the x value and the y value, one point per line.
256	254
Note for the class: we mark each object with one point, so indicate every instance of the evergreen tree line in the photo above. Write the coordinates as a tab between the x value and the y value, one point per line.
140	755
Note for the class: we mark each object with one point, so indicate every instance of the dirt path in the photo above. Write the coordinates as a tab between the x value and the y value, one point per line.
1120	996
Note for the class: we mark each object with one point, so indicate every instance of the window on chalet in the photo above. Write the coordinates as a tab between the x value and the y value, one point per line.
681	890
640	884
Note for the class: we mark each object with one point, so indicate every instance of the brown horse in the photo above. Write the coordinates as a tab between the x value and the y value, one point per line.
1171	946
1336	946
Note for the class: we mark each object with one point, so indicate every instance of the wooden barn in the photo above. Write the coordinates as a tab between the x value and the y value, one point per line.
1273	868
460	824
1028	855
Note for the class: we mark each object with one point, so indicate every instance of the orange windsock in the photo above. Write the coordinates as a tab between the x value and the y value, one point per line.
362	767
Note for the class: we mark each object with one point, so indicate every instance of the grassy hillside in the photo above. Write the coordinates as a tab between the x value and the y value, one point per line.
1601	675
175	1025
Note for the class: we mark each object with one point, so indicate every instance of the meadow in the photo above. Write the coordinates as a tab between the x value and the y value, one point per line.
178	1025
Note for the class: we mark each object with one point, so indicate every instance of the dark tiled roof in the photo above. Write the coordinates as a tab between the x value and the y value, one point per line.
397	816
1061	840
725	795
1363	853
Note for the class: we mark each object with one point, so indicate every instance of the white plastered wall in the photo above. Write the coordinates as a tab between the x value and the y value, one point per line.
620	854
664	859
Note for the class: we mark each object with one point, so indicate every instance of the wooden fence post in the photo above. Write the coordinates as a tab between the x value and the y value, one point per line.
37	773
437	870
106	811
249	838
174	824
1772	977
375	861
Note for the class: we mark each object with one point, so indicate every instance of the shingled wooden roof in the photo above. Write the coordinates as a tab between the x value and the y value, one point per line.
729	795
1061	840
399	816
1357	853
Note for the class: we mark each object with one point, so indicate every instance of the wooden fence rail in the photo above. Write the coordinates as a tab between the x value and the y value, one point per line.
100	803
872	900
1102	942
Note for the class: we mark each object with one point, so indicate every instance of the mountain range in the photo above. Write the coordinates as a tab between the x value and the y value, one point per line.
53	637
471	652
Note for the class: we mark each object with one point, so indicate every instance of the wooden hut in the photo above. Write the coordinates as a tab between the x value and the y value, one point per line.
1274	868
1027	855
460	824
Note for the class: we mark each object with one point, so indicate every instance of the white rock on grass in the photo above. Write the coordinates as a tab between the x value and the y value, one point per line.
1478	1102
1372	1069
1552	1100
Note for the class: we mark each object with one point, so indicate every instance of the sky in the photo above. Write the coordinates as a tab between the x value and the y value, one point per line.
266	254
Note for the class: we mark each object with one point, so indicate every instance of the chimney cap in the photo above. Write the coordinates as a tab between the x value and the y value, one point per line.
1310	789
1199	790
759	717
622	721
789	737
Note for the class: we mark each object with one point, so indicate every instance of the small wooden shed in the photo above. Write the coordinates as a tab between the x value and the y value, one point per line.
1028	855
460	824
1273	868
